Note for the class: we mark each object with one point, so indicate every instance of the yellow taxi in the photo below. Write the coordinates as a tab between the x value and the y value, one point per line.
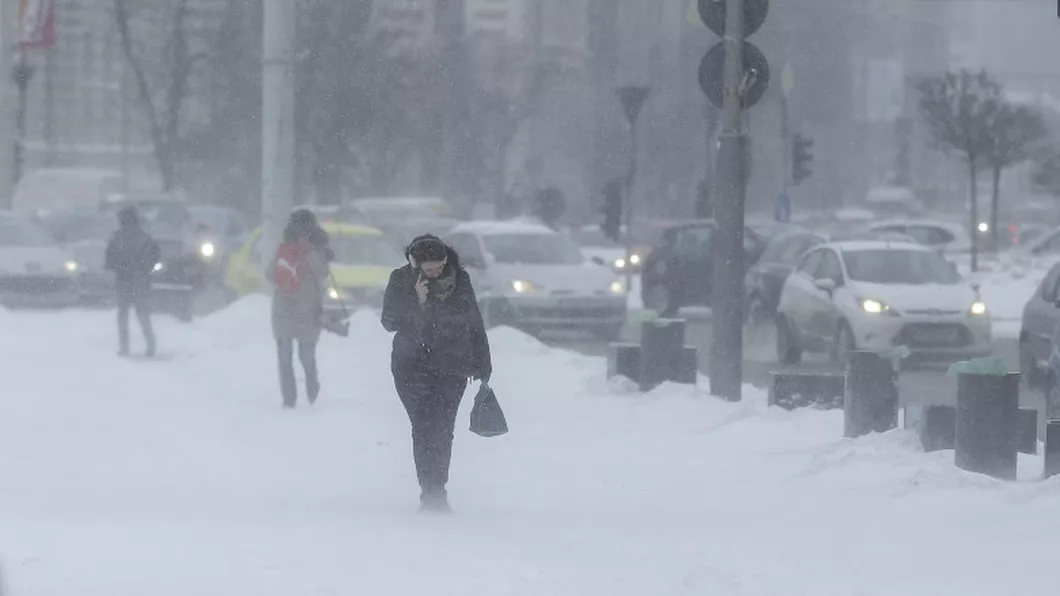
364	258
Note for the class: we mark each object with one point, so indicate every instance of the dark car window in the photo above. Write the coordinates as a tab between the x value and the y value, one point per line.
930	234
811	262
1051	245
830	268
1047	290
694	242
788	250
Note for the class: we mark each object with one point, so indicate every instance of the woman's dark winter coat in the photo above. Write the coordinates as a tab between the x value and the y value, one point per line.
447	335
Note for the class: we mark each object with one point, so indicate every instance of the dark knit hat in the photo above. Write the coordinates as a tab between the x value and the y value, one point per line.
426	248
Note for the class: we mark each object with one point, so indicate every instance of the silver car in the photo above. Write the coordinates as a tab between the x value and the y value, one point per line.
35	272
531	277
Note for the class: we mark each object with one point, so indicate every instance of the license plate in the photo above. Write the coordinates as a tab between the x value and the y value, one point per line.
936	336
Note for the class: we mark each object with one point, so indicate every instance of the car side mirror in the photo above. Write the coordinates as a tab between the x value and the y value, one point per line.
599	261
826	284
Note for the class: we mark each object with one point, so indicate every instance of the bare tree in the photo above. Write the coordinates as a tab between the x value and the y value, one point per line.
959	110
1015	131
154	38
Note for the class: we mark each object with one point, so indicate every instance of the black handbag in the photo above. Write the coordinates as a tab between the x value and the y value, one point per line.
487	418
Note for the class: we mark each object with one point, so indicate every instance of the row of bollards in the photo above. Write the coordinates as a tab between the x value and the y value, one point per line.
661	357
986	429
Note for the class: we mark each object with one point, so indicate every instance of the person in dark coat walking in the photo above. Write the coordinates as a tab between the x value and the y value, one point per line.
132	255
439	342
300	275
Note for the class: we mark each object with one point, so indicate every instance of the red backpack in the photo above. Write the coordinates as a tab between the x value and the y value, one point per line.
290	267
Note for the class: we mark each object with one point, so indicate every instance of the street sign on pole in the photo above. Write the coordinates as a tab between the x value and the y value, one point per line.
713	13
755	75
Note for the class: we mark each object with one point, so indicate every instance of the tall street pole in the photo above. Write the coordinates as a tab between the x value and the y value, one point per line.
277	134
726	362
21	75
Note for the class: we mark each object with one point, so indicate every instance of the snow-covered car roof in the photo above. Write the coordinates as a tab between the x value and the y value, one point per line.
938	223
856	245
488	228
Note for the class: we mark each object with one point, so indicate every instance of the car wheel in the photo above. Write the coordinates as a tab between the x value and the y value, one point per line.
1052	398
609	334
844	345
788	350
758	320
1028	365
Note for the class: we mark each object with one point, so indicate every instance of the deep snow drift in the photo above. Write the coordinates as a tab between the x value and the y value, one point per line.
183	476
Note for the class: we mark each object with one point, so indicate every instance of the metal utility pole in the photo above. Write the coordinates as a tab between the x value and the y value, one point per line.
632	99
726	358
21	75
277	134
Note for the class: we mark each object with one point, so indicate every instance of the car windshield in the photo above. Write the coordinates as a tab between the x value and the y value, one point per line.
68	229
896	266
533	249
216	220
593	237
365	250
14	232
786	251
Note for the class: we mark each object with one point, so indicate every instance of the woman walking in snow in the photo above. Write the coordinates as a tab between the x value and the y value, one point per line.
440	341
299	274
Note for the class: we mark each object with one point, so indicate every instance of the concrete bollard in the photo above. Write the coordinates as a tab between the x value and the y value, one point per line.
1052	449
987	409
1027	431
662	343
686	370
935	425
792	390
871	400
624	360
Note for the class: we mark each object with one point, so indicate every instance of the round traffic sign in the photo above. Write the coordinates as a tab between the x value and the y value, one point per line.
755	68
713	14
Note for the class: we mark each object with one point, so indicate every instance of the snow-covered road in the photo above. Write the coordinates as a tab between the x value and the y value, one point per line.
183	476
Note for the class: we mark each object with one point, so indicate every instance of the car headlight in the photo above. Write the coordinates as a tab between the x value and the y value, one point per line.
522	287
207	249
978	308
634	259
617	287
71	266
875	307
334	294
158	267
620	263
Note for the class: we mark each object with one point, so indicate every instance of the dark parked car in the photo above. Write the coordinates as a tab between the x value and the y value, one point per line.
766	278
679	268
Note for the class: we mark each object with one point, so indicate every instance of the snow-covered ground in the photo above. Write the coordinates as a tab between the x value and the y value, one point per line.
183	476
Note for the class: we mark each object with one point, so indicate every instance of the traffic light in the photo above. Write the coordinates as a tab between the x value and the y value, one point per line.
801	158
612	225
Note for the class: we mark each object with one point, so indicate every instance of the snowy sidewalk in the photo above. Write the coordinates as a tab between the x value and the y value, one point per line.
184	476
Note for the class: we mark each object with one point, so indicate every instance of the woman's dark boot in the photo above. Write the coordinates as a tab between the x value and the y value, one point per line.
434	499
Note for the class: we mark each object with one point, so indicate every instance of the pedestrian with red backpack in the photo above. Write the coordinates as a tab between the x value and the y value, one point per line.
299	274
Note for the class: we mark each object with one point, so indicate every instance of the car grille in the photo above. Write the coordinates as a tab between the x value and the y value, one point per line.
571	312
170	249
933	312
37	285
934	335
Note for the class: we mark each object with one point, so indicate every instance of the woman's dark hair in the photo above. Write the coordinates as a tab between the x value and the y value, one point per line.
426	248
301	224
